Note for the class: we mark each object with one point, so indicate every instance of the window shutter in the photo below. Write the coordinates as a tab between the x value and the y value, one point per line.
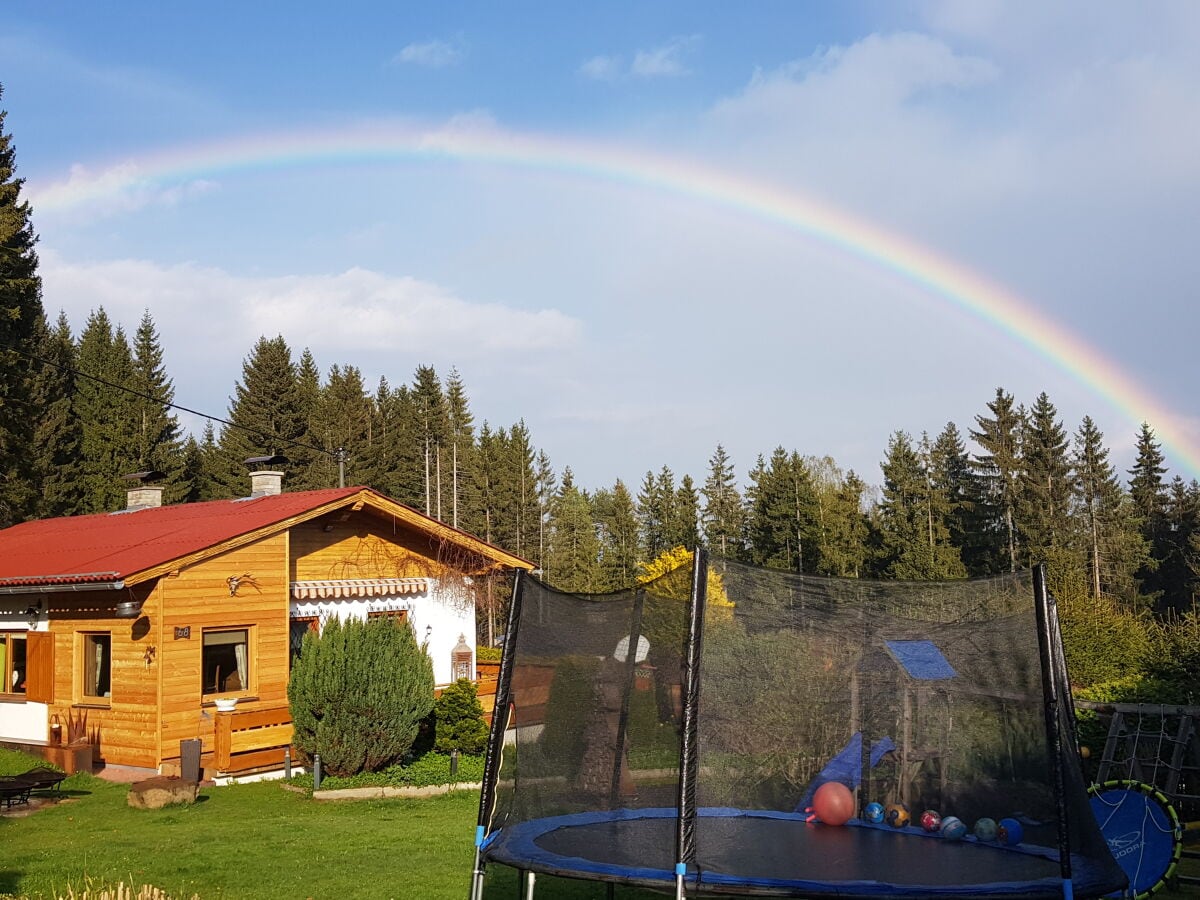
39	667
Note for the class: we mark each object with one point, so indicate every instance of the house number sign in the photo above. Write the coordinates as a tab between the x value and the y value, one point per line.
184	632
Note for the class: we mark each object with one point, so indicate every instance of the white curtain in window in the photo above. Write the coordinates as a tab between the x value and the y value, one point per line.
98	646
239	653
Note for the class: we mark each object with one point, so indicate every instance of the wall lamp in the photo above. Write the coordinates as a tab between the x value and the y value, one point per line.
33	614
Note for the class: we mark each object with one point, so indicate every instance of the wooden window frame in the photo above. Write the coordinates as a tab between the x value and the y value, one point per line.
313	623
247	689
85	642
7	691
396	615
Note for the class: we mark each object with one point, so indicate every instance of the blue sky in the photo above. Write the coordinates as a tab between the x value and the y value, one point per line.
1054	151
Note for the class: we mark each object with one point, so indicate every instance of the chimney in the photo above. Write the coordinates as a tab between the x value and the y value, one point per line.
142	494
266	481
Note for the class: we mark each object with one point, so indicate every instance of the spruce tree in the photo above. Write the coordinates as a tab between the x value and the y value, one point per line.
616	516
341	426
915	536
1180	563
998	469
1147	487
433	428
1115	548
266	413
1045	490
20	312
723	515
572	557
308	470
684	530
953	476
108	426
59	434
156	432
656	512
461	439
782	530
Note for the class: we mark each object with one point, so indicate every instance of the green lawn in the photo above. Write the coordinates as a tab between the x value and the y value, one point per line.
261	841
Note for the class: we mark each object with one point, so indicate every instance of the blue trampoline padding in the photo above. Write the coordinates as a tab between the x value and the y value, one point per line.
936	867
922	660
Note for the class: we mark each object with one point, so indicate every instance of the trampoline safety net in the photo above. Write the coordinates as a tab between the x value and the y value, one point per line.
930	696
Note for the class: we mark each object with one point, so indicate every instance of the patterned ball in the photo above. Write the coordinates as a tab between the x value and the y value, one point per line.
953	828
985	829
931	820
896	815
1010	832
873	812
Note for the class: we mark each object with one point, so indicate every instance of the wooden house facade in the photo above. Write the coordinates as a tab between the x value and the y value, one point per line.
135	631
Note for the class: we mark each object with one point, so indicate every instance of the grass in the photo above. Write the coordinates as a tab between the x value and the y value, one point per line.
262	841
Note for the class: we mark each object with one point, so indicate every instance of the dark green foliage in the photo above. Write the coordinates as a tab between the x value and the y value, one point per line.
724	518
106	414
58	435
781	524
616	519
20	312
572	557
572	699
358	693
999	468
459	719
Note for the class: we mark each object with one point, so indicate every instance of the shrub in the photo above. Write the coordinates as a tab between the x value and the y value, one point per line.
460	724
488	654
358	693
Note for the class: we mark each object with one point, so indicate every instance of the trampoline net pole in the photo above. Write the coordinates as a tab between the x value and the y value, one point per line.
495	744
689	762
1050	698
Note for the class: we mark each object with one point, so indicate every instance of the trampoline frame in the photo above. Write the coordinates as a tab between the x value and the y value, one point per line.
1056	703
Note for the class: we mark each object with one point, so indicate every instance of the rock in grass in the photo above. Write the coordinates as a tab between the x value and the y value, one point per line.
160	791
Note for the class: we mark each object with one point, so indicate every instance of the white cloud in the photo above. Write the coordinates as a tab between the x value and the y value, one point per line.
433	54
120	189
209	319
602	68
665	61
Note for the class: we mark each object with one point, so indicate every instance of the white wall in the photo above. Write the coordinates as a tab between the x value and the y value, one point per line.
22	720
438	618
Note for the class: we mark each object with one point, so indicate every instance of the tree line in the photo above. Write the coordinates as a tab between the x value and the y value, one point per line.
78	413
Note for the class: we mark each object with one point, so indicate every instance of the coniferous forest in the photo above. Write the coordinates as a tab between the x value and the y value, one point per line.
83	404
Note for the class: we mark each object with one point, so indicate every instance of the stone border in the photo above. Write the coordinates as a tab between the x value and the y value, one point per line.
380	792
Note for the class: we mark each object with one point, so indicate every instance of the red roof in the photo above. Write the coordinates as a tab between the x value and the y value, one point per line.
110	547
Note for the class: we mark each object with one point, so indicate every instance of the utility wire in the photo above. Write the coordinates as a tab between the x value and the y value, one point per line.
335	454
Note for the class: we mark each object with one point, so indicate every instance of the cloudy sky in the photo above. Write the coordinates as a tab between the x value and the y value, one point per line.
647	229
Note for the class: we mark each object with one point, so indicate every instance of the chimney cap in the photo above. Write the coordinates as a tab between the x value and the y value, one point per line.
145	477
255	462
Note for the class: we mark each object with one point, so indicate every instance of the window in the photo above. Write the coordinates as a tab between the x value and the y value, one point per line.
299	627
97	666
399	616
12	663
226	661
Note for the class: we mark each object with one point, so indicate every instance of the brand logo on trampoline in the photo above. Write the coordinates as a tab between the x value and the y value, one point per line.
1124	844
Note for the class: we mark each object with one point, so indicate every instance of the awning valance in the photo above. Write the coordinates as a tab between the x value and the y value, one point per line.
358	587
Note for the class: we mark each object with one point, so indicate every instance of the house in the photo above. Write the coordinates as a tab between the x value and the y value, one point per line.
125	629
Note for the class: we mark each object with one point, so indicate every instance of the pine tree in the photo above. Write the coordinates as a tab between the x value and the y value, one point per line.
58	435
1045	491
198	479
572	558
684	530
156	432
844	549
1180	562
723	516
267	415
999	469
1148	490
953	476
616	518
20	313
1115	548
342	426
308	470
656	512
108	445
915	536
433	427
461	439
782	526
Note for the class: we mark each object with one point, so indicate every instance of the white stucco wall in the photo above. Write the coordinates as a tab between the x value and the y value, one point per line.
21	720
438	618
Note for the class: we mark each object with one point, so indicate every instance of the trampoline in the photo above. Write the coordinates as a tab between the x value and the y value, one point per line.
687	765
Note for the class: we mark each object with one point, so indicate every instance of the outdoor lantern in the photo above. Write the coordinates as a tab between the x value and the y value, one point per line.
460	659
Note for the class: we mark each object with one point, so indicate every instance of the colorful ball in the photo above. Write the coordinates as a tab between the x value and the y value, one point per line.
1009	831
953	828
931	820
833	803
896	815
873	812
985	829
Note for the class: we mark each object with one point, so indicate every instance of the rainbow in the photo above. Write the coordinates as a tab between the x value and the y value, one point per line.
911	262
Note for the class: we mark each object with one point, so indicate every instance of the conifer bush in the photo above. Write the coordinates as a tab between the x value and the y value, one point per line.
460	723
358	693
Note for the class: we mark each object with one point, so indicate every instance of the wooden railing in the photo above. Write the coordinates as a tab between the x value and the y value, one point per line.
251	740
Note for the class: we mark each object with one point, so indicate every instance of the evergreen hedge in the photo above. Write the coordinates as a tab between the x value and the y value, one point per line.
460	724
358	693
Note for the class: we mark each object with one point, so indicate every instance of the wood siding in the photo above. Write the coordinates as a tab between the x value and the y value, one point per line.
361	546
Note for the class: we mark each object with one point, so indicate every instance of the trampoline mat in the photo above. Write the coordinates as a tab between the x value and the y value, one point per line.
780	852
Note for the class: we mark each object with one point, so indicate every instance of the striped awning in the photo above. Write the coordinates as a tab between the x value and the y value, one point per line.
358	587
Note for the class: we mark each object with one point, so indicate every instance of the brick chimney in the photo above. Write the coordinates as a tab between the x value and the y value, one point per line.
143	493
266	479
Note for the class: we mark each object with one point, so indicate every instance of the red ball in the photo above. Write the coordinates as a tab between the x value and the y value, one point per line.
931	820
833	803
